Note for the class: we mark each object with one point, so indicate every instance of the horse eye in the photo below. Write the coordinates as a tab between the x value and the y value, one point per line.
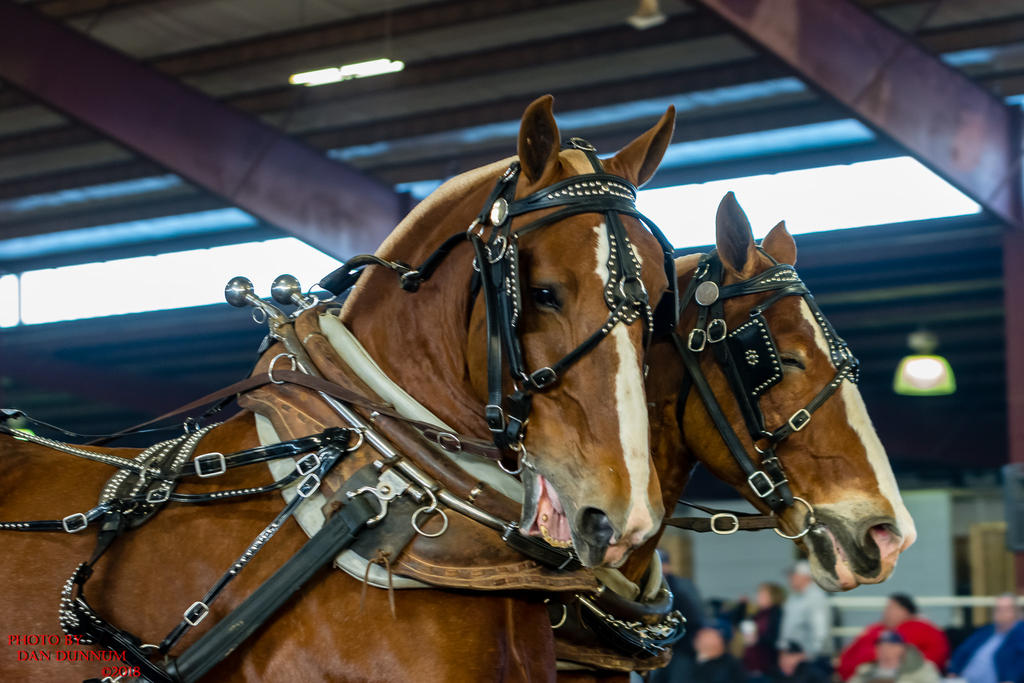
792	361
545	297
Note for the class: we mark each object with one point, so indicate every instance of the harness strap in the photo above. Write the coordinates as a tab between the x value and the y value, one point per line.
769	482
131	504
105	458
327	457
722	522
437	436
79	618
739	452
339	532
800	418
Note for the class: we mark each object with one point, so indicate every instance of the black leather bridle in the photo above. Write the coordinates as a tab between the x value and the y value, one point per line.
750	361
496	249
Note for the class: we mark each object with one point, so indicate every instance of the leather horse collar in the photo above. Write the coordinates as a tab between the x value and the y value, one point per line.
751	364
496	249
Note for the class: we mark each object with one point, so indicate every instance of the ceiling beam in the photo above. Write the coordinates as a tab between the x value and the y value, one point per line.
948	122
248	163
1013	271
496	61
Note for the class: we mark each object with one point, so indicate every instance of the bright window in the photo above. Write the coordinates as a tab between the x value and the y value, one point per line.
8	300
173	280
809	200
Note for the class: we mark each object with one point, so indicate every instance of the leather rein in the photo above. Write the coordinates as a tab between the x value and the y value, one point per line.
750	361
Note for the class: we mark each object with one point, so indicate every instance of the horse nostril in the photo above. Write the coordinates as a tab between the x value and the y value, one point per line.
595	528
886	538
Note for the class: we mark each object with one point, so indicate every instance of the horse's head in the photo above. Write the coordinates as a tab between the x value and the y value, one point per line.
558	320
588	477
785	382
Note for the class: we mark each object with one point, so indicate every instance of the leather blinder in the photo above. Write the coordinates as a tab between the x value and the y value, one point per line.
755	356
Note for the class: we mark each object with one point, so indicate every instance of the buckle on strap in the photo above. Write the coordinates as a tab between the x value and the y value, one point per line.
158	495
727	516
307	463
74	523
761	484
799	420
196	612
495	417
448	442
543	378
697	340
717	323
308	486
210	464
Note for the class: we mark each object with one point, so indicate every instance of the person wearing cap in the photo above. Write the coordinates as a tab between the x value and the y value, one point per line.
994	653
714	663
895	661
805	614
794	667
900	616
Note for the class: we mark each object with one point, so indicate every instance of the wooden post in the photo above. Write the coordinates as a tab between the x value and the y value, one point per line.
1013	301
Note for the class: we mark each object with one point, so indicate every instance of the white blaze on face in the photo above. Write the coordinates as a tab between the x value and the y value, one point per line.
860	422
630	401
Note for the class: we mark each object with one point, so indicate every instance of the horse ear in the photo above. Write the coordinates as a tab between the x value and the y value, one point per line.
734	237
538	139
637	161
779	244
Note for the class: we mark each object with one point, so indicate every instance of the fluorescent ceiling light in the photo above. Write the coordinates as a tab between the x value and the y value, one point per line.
334	74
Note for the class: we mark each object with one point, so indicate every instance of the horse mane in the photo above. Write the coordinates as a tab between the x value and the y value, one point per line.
451	191
457	187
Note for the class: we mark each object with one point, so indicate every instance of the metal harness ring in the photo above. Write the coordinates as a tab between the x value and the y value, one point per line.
359	442
491	258
427	509
807	528
273	362
519	449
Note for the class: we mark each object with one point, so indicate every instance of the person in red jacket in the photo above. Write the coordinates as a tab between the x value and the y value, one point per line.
900	615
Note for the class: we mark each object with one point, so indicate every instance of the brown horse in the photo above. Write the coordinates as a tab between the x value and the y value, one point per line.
507	636
592	481
837	463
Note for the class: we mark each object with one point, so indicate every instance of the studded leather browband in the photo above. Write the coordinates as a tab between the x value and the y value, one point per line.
496	248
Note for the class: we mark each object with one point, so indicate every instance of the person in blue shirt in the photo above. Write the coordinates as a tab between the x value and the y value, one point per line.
994	653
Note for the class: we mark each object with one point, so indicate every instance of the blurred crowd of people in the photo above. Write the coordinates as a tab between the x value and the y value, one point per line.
782	636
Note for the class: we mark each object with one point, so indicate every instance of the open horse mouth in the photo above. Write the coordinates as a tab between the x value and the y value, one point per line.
841	560
549	513
550	520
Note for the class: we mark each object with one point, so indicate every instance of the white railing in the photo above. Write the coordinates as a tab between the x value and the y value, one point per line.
960	603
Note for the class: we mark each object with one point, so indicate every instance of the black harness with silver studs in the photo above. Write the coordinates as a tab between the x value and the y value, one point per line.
144	484
496	250
750	361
